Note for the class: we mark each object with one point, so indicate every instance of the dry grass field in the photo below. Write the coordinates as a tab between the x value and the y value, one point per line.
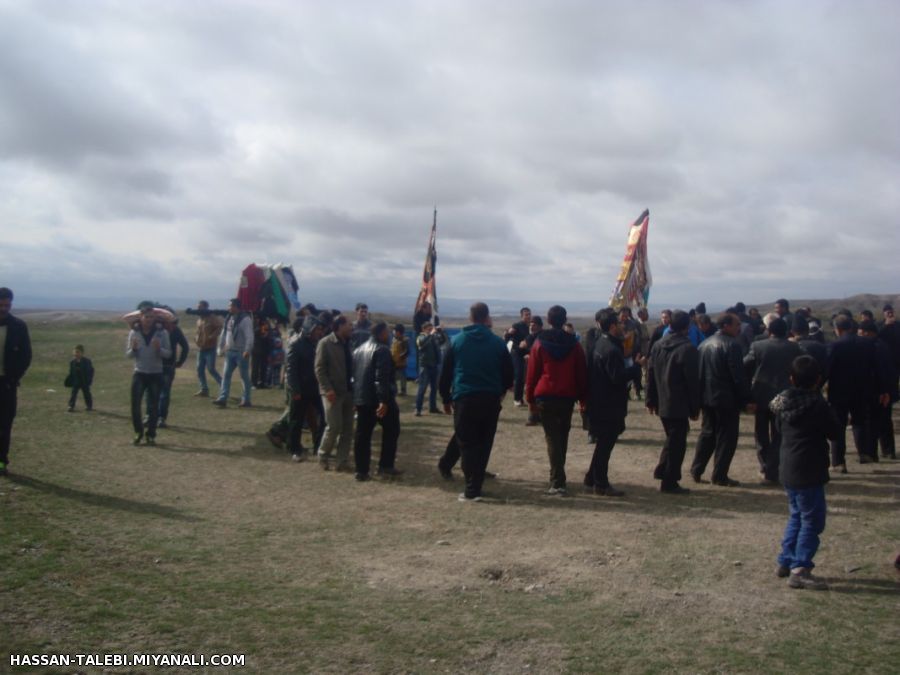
214	542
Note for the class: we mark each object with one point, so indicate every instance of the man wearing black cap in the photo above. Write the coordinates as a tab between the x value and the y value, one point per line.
673	393
768	366
15	358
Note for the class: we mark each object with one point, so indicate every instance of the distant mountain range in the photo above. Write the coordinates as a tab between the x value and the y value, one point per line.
451	308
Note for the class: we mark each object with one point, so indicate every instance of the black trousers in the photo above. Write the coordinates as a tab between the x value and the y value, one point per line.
884	431
84	389
556	418
668	470
519	373
475	423
607	435
259	363
7	415
451	455
718	437
149	385
390	432
859	413
304	410
768	441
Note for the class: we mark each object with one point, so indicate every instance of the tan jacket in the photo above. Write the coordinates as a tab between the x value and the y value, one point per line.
331	365
208	329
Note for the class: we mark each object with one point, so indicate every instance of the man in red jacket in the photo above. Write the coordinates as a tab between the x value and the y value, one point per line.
557	377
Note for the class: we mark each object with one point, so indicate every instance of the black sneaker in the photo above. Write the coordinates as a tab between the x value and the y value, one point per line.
162	423
608	491
782	571
489	476
674	489
698	478
363	477
275	440
220	403
726	482
389	472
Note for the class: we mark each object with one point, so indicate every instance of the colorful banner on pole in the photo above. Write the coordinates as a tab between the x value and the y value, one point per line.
633	284
429	290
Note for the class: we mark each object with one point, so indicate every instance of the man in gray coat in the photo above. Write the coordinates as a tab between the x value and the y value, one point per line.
334	368
724	390
673	393
768	365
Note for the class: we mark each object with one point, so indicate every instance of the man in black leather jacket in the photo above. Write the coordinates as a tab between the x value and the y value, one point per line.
374	395
724	390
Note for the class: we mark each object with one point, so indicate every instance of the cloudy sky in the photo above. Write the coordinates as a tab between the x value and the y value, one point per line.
155	148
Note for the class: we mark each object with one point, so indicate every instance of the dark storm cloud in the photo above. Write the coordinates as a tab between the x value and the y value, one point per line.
763	137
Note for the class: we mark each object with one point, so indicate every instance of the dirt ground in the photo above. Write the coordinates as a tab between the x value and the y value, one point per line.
215	541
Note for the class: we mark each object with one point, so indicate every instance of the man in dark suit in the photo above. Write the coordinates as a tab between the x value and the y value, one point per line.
852	384
768	365
673	393
15	358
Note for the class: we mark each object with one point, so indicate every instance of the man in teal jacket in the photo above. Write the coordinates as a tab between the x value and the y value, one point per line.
475	378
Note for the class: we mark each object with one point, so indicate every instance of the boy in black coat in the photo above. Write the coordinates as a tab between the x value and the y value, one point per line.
806	423
81	376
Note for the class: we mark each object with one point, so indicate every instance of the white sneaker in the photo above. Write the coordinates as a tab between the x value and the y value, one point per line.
462	498
557	491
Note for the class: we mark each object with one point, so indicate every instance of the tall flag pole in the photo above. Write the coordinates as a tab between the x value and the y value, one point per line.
633	284
428	293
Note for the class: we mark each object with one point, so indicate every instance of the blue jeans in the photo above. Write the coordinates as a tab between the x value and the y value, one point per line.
427	377
206	360
235	360
805	523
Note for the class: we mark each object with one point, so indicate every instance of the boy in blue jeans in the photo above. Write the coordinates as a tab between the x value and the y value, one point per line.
806	422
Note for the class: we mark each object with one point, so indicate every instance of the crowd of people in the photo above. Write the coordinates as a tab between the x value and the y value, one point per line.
342	379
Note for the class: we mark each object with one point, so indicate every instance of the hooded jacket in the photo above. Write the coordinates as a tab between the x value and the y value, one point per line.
608	380
805	421
673	377
147	359
477	363
556	368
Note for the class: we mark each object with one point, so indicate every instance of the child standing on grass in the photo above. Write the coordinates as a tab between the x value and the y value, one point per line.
806	423
81	375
